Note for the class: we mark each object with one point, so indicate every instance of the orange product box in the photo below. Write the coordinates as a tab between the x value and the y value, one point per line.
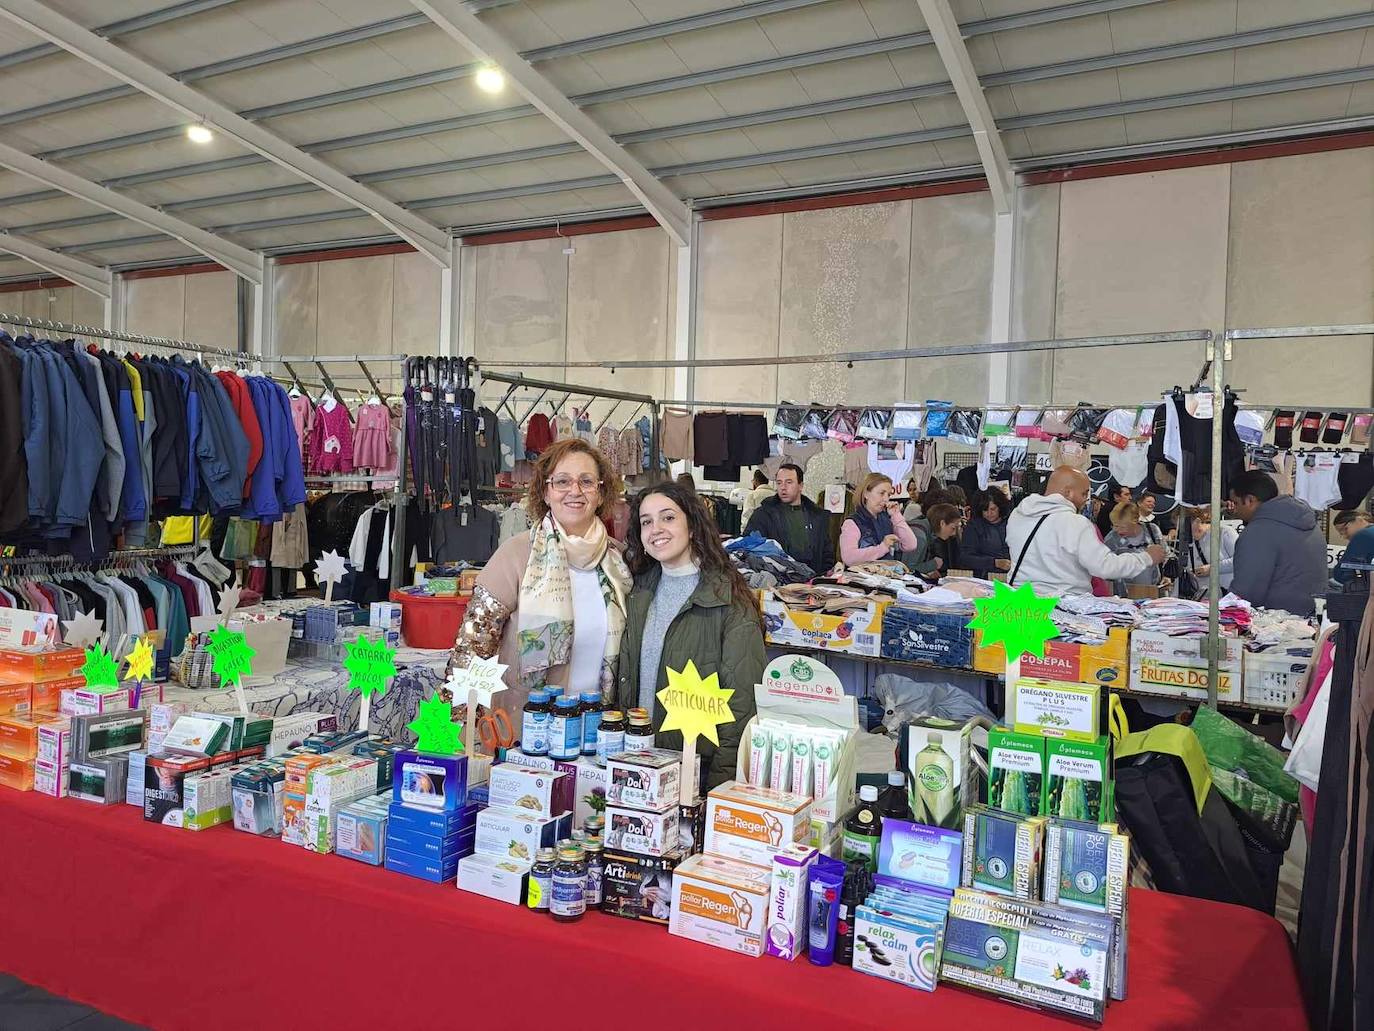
298	769
1108	663
19	736
47	694
16	773
36	666
16	699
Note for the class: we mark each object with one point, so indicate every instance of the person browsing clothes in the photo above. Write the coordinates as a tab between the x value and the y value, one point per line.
796	522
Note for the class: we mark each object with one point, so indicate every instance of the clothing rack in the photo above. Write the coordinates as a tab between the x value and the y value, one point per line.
517	381
127	554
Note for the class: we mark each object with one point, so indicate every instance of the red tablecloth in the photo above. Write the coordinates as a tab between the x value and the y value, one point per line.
220	929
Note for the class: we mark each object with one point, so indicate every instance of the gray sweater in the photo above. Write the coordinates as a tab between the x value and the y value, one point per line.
672	594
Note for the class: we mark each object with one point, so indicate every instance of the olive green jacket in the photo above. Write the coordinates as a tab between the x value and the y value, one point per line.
717	633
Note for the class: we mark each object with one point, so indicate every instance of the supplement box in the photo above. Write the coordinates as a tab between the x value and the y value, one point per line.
84	702
257	798
423	867
1054	708
1002	853
540	792
516	835
16	773
752	825
133	790
941	757
164	777
208	799
197	736
913	853
494	877
47	694
436	823
590	796
691	827
1078	783
360	830
898	946
1176	666
50	778
1041	956
34	666
647	779
428	846
97	736
637	830
290	732
19	735
426	781
16	699
99	780
637	886
786	921
1016	772
1087	867
336	784
720	902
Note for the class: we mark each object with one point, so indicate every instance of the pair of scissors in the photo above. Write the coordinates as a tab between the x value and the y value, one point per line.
495	730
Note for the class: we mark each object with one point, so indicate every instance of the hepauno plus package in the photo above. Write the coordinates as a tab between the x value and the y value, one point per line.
720	902
1016	771
1043	956
1002	852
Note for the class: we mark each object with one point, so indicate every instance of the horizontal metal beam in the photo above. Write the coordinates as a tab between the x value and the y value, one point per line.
114	29
898	354
1300	332
79	273
121	64
1043	16
233	257
547	385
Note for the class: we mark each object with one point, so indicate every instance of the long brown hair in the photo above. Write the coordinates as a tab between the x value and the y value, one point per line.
703	537
547	462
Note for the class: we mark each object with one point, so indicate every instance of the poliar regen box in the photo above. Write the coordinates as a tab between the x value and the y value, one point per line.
752	824
720	902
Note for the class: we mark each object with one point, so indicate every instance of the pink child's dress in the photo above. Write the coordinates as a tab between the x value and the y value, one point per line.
373	447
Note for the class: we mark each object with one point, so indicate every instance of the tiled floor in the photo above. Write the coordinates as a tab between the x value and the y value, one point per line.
26	1008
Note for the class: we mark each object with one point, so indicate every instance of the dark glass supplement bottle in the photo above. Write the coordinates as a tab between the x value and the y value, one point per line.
541	880
863	830
896	801
640	732
591	719
569	899
610	735
534	724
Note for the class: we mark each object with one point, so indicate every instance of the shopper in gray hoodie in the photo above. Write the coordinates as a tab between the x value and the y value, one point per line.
1280	560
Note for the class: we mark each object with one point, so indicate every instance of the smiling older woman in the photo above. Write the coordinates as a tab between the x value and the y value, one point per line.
550	604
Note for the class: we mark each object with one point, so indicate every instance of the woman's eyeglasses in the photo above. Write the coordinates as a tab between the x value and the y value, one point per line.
564	484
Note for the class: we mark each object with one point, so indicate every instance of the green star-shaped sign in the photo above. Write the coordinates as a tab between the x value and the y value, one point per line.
100	671
370	665
434	728
230	657
1017	619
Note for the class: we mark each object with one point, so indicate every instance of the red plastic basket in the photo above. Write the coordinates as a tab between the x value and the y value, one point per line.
430	622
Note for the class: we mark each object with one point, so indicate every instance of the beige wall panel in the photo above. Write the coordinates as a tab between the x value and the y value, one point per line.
1029	375
1139	253
156	307
738	297
295	307
845	275
355	306
212	313
618	309
88	309
416	299
1302	253
521	305
951	295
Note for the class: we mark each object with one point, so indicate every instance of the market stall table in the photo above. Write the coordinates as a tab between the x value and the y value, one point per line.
221	929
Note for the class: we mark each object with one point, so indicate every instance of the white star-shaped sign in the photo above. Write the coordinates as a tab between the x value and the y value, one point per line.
482	676
228	601
84	630
330	567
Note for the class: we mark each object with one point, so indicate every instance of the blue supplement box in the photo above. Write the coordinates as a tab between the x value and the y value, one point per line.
912	853
426	781
420	866
940	638
439	823
430	846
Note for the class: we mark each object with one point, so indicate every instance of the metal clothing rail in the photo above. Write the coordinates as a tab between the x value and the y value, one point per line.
519	380
76	330
110	559
1219	352
980	406
849	357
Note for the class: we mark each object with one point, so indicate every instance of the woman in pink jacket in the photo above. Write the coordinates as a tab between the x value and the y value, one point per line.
876	529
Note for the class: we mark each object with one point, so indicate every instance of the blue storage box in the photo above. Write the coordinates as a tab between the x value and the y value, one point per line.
423	867
939	638
435	782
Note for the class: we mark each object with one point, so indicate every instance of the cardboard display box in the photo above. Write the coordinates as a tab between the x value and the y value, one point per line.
1108	663
858	633
1176	666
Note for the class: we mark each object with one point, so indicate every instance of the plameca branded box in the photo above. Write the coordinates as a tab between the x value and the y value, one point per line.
720	902
752	824
1177	666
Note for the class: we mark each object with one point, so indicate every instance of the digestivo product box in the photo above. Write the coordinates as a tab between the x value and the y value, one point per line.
720	902
647	779
1176	666
752	824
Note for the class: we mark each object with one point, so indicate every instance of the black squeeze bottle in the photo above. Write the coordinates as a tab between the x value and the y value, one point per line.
858	882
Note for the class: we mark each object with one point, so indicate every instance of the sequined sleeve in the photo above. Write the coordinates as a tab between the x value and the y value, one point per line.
483	625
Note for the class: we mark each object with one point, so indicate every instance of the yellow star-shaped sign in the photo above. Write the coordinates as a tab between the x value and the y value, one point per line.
140	661
695	705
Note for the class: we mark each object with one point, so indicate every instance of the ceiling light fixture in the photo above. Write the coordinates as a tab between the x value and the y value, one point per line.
491	79
198	133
